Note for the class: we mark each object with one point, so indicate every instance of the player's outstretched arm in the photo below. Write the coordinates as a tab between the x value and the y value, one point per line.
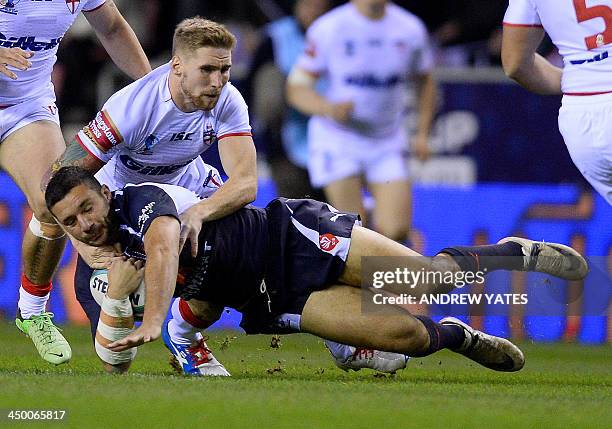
523	64
427	96
119	40
161	242
116	315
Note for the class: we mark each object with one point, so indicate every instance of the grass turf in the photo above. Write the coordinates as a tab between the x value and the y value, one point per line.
297	386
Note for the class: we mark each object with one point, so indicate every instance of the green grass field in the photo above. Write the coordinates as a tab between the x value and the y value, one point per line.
297	386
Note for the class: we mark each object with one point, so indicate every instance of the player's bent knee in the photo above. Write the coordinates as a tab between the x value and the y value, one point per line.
45	230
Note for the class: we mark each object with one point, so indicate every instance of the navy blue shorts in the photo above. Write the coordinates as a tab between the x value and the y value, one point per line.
272	259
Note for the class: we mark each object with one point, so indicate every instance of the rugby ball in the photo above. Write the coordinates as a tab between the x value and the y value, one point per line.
98	285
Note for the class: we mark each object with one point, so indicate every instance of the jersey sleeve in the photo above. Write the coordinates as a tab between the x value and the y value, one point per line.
234	115
522	13
113	126
145	203
315	55
91	5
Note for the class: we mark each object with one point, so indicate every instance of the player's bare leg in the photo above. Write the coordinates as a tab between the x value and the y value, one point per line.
182	336
511	253
27	155
393	209
365	242
336	314
345	195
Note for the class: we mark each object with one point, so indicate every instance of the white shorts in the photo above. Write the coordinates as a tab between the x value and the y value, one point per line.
198	177
586	125
18	116
336	154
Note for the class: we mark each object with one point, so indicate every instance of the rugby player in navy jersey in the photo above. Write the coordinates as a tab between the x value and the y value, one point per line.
294	266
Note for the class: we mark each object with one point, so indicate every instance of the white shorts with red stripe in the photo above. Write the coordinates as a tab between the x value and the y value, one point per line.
13	118
586	125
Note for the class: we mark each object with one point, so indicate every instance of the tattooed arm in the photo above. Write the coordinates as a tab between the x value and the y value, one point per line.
74	155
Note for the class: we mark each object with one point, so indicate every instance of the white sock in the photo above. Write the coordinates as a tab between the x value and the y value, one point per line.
338	350
31	305
179	329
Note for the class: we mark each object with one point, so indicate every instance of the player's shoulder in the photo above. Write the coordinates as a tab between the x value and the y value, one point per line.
150	194
230	98
144	91
330	21
405	18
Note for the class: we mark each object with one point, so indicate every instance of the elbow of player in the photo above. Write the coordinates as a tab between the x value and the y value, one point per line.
512	68
249	194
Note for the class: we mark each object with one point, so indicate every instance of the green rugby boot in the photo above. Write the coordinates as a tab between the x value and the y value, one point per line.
50	343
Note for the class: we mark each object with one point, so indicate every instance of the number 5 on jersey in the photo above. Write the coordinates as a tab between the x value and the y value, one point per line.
584	13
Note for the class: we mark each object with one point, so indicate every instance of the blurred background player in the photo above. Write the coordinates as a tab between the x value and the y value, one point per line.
31	139
583	35
283	129
369	51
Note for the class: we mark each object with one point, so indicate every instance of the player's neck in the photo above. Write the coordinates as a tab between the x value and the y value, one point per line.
180	99
373	12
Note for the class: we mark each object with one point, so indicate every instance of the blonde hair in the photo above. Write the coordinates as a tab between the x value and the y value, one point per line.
197	32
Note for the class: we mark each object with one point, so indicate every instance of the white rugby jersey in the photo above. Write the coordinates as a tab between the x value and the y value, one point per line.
145	137
38	27
368	62
581	30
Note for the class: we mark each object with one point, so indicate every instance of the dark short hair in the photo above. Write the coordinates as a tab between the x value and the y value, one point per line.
65	180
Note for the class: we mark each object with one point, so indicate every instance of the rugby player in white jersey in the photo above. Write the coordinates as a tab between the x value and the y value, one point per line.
154	130
582	32
30	136
369	52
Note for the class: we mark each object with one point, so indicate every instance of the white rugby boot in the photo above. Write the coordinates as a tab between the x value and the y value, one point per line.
355	358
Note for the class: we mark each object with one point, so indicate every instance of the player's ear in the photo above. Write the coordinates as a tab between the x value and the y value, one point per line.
175	65
106	192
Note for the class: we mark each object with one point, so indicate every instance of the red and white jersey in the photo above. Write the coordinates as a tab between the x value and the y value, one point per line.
368	62
145	137
37	27
581	30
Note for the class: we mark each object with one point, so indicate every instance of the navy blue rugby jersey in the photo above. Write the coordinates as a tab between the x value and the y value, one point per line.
135	207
